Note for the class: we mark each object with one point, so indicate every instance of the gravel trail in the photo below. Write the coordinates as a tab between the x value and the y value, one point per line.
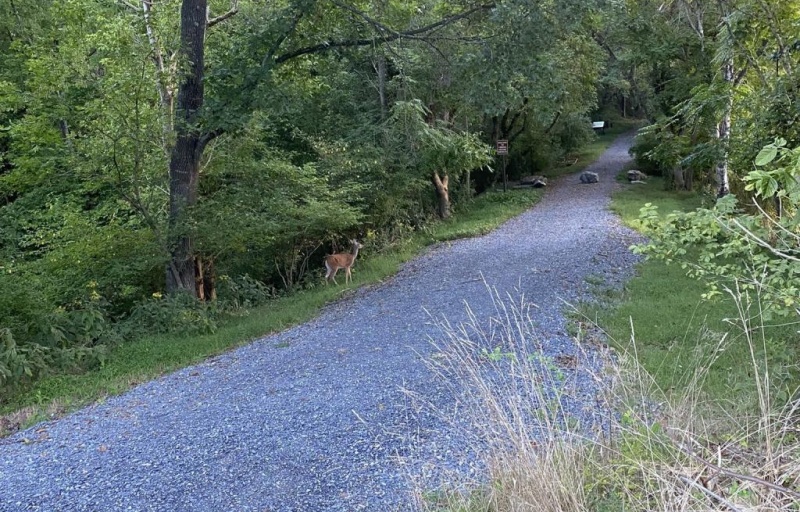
313	418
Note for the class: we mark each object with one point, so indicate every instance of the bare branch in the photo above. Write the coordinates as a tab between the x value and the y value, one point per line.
391	36
210	22
165	97
752	236
208	137
710	493
776	224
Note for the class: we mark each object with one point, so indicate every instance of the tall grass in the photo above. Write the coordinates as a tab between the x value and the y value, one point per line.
645	449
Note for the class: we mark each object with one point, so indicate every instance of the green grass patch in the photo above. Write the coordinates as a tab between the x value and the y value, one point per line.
677	332
483	215
627	202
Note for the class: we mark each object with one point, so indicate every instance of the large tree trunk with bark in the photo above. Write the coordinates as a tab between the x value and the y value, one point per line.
678	180
184	165
443	194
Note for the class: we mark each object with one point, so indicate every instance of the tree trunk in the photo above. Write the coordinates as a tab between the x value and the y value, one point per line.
677	178
184	165
724	131
443	194
381	71
205	279
164	95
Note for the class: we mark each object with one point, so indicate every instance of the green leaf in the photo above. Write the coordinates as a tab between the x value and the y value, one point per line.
766	155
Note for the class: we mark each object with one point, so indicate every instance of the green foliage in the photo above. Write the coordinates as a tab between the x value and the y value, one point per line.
778	181
726	256
433	147
674	328
669	59
179	314
263	215
23	363
243	293
658	149
311	150
751	254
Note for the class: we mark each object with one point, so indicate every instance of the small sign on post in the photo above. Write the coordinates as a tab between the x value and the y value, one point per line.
502	149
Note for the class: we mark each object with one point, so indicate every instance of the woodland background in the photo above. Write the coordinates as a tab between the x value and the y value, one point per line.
165	164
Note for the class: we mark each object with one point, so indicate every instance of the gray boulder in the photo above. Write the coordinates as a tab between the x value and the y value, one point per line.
635	176
533	181
589	177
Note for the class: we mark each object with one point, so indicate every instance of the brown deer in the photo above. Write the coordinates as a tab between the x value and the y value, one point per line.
334	262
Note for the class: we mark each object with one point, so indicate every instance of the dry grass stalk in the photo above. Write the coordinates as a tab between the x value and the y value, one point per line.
644	450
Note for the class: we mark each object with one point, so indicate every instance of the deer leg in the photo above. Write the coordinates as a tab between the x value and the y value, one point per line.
331	273
347	275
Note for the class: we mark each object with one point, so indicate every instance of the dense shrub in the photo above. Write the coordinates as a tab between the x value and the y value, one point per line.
243	292
651	154
178	314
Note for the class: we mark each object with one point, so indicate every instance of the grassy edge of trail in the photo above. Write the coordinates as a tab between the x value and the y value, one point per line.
138	361
661	317
679	353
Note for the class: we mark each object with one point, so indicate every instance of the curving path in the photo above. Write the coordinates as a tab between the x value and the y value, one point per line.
313	418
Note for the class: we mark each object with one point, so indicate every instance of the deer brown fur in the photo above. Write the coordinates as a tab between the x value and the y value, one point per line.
334	262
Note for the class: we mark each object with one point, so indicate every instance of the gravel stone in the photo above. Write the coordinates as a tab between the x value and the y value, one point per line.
315	418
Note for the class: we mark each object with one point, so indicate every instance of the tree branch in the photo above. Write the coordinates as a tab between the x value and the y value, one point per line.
391	36
208	137
555	120
599	39
275	47
210	22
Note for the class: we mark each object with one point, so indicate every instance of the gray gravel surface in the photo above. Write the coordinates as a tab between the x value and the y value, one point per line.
313	418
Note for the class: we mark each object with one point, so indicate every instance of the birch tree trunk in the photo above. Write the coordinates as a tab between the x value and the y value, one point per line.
724	131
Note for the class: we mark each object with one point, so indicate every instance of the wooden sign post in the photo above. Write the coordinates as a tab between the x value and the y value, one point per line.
502	149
